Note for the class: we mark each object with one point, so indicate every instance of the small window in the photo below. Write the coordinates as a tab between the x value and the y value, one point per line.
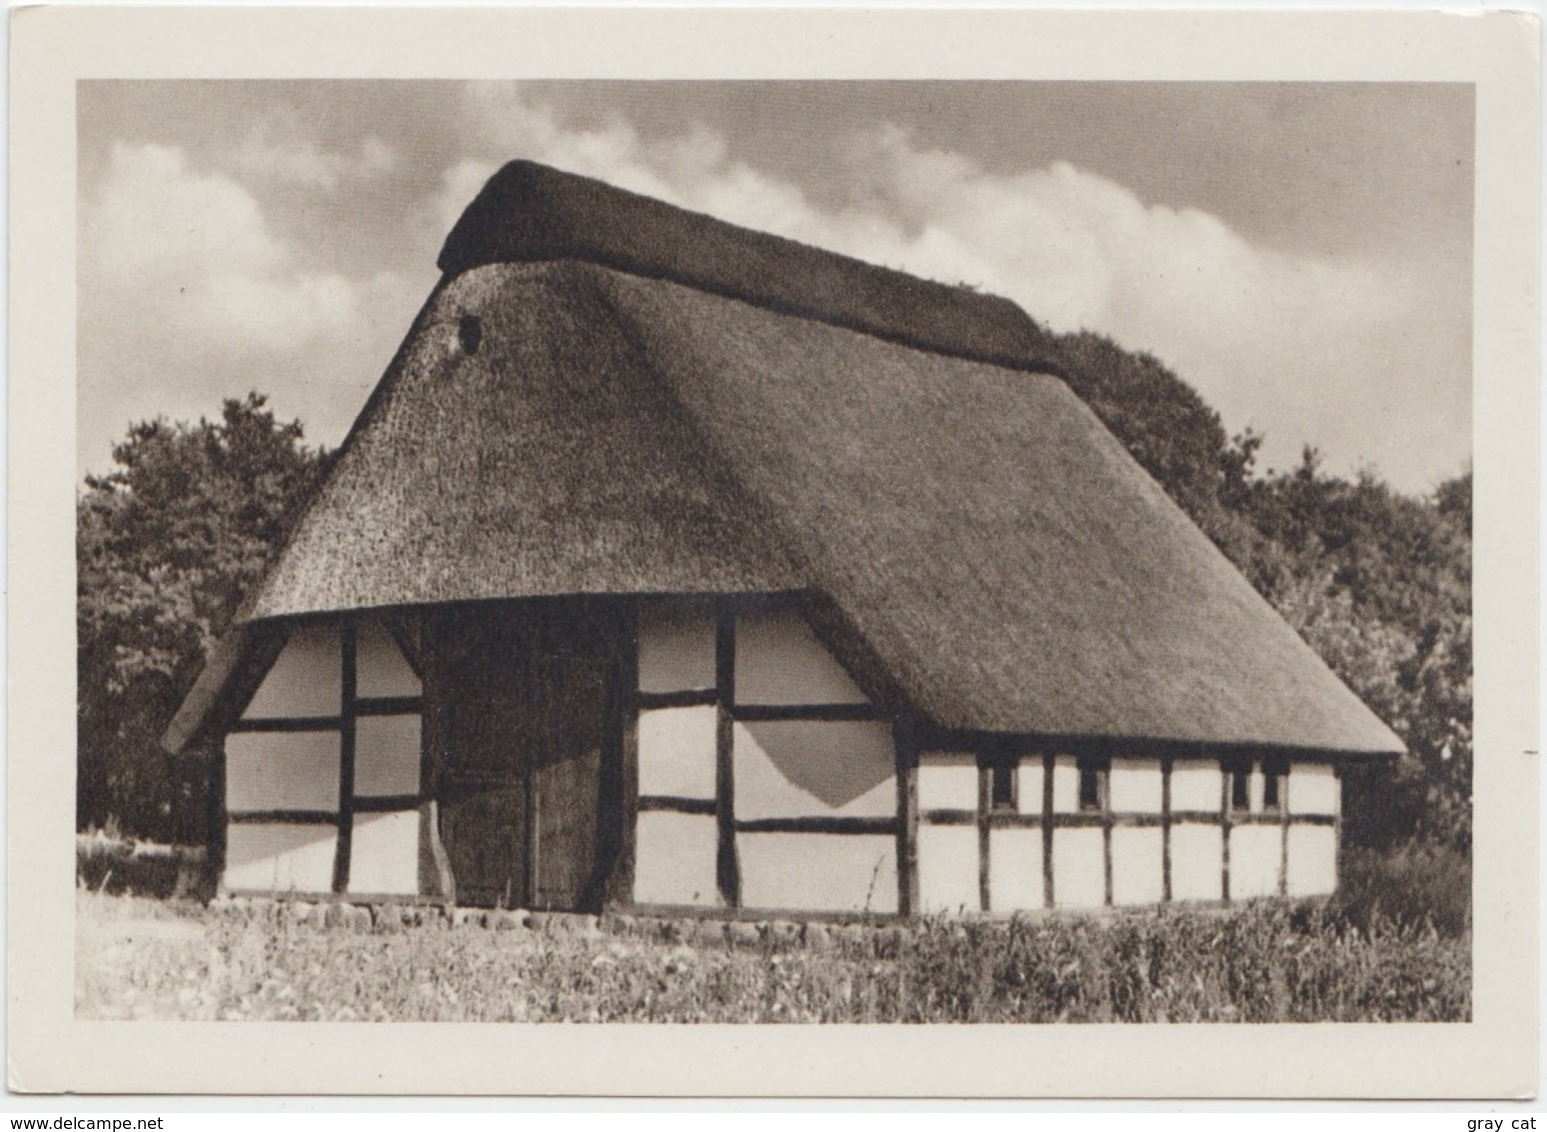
1002	794
1091	792
1273	786
1241	788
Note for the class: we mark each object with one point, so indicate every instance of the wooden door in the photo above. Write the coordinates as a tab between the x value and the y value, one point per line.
480	720
520	722
566	762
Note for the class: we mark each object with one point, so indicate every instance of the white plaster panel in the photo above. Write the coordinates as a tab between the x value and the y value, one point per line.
1066	786
1028	790
779	660
1195	785
280	858
823	872
1197	861
674	859
1313	789
1015	870
1079	868
1255	786
282	770
676	647
384	853
1313	860
948	869
380	667
1255	853
1138	866
677	751
802	768
387	754
1134	786
948	782
304	680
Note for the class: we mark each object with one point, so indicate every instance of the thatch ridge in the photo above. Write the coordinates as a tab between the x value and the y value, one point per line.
532	213
977	529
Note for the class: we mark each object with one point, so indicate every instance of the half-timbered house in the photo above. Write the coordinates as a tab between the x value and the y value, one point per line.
677	565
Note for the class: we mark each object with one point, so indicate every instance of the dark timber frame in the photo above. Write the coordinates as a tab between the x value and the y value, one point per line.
986	818
620	802
352	708
722	697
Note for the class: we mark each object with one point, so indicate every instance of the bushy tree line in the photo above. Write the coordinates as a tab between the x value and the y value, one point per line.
167	545
1379	583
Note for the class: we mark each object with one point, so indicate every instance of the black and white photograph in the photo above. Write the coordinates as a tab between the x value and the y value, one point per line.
765	550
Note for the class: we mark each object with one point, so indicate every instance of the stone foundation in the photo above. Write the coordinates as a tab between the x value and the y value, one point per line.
867	939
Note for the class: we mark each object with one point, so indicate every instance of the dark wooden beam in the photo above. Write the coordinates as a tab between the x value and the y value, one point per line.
907	769
402	632
346	756
389	705
815	713
1272	819
727	866
436	880
670	804
693	697
818	824
620	767
1107	746
774	602
301	723
1225	818
215	833
435	875
1165	830
1047	830
1005	819
1195	817
385	803
1283	839
282	817
985	805
231	677
949	817
1104	786
1337	824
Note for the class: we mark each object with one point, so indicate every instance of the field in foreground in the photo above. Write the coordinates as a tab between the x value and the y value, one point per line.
139	958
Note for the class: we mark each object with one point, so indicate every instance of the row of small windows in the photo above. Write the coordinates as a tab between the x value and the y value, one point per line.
1004	793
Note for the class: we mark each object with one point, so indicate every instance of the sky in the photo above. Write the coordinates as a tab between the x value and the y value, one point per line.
1298	253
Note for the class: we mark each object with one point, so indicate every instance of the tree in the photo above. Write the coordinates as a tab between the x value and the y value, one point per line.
1378	583
167	545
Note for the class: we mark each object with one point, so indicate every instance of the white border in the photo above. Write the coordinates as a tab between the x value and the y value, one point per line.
48	1050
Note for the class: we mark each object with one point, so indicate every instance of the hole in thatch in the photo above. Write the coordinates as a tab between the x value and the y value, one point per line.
470	333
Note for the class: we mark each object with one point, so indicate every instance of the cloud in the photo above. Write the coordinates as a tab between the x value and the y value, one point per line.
1309	349
203	273
303	162
191	253
188	295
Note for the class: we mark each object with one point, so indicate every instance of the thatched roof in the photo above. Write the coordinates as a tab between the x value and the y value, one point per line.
975	529
529	213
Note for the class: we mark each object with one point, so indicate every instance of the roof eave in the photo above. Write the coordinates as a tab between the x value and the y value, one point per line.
1100	746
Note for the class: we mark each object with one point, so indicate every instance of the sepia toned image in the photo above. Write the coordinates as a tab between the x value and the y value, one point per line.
803	557
752	631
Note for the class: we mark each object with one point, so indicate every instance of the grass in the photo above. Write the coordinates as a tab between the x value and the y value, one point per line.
1266	962
1414	885
106	861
